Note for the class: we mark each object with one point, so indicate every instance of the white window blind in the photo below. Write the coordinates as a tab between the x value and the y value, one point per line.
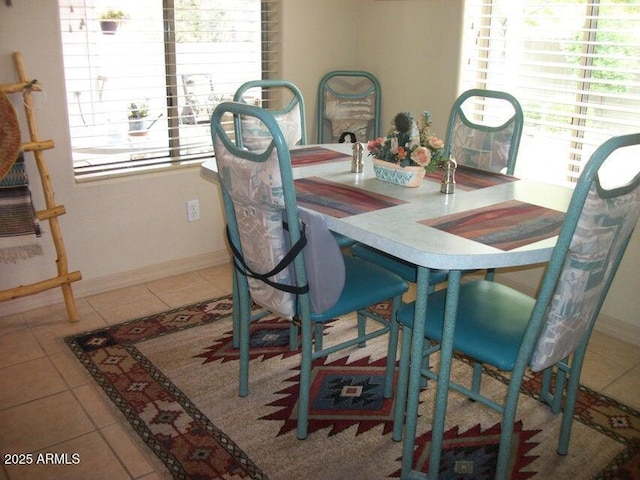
573	65
172	61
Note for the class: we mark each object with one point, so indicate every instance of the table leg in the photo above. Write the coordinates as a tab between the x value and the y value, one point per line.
444	373
413	390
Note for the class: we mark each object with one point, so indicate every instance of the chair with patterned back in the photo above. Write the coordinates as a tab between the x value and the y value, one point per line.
285	102
511	332
348	101
286	260
484	131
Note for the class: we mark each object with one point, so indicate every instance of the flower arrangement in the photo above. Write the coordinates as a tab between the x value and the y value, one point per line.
408	144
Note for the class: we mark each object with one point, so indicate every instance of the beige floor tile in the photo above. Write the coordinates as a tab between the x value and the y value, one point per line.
11	323
119	313
220	276
120	296
626	389
36	425
72	372
151	476
128	450
28	381
176	282
50	336
55	313
599	371
197	293
19	346
96	462
615	349
101	413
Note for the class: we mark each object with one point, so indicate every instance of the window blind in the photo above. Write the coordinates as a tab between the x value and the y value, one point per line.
573	65
140	97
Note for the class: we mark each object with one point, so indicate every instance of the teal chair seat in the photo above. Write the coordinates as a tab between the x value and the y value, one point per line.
492	320
363	286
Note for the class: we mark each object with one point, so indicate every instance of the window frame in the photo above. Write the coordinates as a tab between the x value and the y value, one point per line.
172	150
495	55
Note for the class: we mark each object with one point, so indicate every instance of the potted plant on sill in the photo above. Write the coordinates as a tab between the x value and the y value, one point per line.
110	19
138	112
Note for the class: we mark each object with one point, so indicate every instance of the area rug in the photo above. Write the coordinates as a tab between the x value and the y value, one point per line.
174	376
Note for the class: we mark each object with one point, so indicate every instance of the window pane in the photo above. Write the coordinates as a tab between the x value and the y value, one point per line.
573	65
141	97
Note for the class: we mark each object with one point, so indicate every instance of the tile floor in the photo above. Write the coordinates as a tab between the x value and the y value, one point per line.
48	404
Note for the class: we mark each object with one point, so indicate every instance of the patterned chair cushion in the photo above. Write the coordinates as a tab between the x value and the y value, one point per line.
349	115
256	137
602	225
256	191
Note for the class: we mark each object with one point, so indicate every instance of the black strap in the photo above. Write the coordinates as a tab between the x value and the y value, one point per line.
242	267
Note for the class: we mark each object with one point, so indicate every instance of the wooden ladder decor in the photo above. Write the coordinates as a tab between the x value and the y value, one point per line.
52	211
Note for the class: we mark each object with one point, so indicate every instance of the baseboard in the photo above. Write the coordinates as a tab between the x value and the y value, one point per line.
605	324
94	286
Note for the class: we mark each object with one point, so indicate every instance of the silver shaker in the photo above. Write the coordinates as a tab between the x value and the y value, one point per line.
357	164
448	184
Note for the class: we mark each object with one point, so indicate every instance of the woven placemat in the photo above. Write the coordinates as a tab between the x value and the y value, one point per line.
9	135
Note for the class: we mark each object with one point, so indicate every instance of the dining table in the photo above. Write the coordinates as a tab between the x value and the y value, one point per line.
489	221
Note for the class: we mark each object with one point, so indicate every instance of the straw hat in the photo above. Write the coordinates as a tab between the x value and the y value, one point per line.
9	135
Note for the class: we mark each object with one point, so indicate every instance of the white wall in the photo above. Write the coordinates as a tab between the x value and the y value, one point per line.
123	231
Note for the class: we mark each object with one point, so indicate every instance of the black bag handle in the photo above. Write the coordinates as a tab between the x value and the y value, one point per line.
242	267
344	135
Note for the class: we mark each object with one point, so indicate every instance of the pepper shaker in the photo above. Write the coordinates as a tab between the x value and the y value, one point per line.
357	165
448	184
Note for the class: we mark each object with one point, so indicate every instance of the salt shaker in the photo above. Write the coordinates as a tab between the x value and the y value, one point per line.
448	184
357	165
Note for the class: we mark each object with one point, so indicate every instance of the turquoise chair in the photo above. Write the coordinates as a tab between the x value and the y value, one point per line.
484	131
291	118
348	101
286	260
510	331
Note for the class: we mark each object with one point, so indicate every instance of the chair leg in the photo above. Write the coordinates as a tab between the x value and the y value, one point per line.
305	378
293	336
236	309
402	385
244	322
392	349
477	377
318	331
575	369
362	328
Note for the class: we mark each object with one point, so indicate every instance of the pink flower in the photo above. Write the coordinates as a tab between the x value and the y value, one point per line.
422	156
435	142
373	144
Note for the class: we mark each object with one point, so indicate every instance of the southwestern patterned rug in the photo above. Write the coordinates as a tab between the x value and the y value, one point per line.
174	378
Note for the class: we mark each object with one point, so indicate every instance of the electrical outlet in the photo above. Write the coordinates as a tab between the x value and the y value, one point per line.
193	210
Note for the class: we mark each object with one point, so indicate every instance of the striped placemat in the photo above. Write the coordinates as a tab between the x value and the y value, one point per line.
301	157
338	200
472	178
505	225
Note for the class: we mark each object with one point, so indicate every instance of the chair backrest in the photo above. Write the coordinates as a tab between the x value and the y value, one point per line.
285	102
260	208
594	236
348	101
484	130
